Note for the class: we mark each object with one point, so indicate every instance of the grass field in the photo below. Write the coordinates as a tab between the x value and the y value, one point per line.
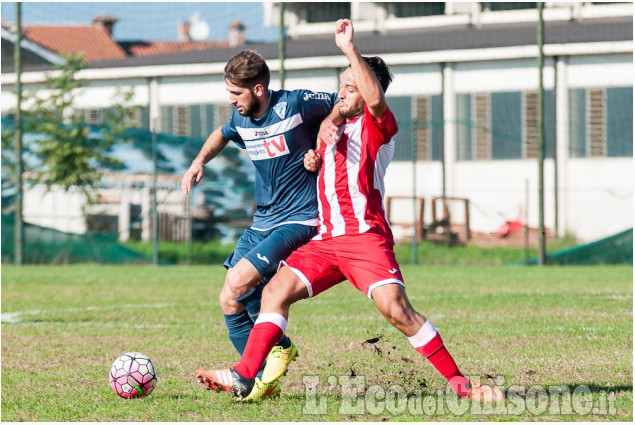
529	330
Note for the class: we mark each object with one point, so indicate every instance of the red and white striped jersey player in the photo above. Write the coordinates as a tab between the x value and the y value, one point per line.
354	240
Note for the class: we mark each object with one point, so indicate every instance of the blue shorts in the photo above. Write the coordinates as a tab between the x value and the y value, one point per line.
265	249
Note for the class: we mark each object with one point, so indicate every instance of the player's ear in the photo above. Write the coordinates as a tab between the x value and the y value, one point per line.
259	90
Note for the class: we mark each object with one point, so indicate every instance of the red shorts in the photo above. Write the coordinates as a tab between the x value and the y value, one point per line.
367	260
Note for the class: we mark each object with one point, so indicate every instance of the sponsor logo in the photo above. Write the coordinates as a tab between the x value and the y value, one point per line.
267	148
260	133
316	96
262	257
393	271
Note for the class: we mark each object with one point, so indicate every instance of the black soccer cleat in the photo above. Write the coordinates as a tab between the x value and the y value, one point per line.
241	386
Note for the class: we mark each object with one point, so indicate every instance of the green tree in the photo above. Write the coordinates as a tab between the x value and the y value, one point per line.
63	150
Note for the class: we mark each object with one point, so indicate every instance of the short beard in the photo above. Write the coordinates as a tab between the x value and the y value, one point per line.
350	113
254	105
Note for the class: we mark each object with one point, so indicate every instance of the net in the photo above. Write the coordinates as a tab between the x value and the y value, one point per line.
616	249
48	246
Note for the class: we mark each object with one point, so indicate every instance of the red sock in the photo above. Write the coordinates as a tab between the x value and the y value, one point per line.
261	340
441	359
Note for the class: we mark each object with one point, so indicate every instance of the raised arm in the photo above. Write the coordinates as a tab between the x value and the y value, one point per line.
214	144
367	83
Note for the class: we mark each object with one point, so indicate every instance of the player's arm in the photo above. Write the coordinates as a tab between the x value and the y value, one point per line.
367	83
329	126
214	144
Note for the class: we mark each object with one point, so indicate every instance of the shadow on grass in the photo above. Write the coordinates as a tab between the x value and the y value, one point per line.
597	388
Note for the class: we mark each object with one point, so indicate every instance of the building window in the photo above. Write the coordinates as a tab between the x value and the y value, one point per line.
420	121
464	127
321	11
407	9
402	109
504	5
506	125
619	121
499	126
93	116
601	122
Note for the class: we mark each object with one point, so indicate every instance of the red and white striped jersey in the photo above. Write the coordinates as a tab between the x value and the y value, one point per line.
351	180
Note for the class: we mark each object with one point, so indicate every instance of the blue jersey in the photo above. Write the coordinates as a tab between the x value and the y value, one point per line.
276	143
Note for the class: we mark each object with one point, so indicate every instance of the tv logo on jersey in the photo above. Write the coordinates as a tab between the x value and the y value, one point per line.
268	148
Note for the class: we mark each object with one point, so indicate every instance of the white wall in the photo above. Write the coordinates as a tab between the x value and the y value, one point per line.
597	201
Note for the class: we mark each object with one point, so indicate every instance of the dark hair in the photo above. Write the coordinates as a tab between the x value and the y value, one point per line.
380	69
247	69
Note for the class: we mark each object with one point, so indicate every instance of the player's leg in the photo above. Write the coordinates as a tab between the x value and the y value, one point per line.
284	289
393	303
241	380
278	244
371	266
264	256
236	314
307	272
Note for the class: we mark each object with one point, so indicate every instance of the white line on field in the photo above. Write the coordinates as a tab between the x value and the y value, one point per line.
16	316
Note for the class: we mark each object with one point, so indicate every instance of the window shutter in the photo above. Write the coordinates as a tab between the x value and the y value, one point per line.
596	122
181	120
93	116
222	112
482	134
530	124
422	132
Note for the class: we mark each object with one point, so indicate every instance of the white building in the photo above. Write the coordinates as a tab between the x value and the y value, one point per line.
465	89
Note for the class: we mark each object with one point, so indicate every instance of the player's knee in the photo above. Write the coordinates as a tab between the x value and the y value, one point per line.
237	283
227	302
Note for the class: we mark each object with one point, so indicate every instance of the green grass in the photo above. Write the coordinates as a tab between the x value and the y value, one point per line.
533	328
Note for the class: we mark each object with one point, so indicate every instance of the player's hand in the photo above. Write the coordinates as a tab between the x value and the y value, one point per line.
344	35
192	177
312	161
327	134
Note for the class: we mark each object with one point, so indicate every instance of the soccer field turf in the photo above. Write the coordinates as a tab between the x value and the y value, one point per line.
532	331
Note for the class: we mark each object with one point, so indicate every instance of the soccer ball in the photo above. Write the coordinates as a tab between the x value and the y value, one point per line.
133	375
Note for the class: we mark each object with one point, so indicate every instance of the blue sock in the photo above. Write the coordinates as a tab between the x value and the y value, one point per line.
239	325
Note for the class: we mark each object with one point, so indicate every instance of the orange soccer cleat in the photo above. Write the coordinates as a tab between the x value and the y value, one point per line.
480	392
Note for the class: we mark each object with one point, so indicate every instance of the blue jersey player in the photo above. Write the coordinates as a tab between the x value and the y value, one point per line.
276	128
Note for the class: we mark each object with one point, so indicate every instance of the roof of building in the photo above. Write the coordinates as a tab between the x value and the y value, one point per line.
94	41
406	41
149	48
146	53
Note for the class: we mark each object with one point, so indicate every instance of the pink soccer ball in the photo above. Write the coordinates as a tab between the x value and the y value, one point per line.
133	375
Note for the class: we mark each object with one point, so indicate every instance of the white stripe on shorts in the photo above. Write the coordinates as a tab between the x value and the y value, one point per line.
382	283
301	276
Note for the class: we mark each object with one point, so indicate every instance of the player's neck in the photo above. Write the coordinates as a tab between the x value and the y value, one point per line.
264	105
